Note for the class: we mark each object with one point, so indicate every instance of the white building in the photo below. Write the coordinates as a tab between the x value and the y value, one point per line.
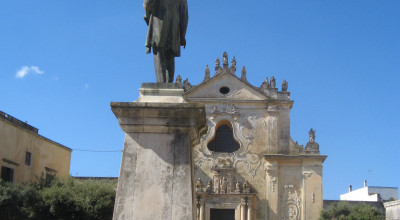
371	193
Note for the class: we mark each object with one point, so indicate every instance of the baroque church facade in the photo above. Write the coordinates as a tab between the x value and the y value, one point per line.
228	148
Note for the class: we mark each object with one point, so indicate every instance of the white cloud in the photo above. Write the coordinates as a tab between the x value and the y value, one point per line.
25	70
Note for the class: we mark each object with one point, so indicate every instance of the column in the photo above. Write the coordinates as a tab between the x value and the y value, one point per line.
243	209
249	209
272	179
202	209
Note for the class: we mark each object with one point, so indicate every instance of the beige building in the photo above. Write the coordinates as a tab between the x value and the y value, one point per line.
27	156
219	150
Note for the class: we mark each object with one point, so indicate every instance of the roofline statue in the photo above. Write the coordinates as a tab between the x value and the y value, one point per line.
167	23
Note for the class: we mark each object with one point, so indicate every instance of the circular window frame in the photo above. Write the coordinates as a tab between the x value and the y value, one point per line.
224	90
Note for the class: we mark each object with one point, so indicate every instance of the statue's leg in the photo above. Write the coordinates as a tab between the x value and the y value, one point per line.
170	67
159	64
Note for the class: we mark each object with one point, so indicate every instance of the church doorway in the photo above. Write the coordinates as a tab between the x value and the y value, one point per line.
222	214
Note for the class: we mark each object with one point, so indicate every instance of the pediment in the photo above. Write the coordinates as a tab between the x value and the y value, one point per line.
224	86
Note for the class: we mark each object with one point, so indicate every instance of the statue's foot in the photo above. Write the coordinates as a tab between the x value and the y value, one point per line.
148	50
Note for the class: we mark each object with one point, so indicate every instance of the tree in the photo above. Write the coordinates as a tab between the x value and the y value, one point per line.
62	199
345	211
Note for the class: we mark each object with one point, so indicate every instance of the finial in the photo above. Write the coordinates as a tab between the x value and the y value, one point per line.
284	85
243	77
207	74
312	135
225	60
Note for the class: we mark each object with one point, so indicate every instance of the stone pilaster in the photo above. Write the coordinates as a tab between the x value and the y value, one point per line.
273	189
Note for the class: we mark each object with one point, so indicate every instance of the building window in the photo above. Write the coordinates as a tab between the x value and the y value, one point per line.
28	158
7	174
49	179
224	141
50	175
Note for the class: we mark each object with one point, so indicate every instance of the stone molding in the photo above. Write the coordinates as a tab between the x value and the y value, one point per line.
294	157
170	118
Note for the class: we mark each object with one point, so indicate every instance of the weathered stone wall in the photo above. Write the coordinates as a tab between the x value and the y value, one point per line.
392	210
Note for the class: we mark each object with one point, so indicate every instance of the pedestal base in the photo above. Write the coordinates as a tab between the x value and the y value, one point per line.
155	179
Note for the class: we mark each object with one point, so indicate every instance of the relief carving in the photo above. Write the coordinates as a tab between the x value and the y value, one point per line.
246	187
313	198
199	186
223	183
273	174
244	138
291	206
237	187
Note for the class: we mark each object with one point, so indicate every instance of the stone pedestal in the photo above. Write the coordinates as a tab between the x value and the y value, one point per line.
155	180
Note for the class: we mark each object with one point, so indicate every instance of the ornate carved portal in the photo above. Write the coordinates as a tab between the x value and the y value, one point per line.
240	206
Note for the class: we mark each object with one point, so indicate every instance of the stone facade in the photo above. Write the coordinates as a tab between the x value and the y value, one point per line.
243	166
284	179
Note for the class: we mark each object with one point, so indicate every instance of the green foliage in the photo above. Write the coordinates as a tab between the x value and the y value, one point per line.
344	211
62	199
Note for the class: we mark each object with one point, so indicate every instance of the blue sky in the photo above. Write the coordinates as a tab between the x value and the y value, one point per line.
341	59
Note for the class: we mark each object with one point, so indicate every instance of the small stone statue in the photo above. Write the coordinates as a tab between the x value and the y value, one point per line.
178	80
311	134
167	22
199	186
244	73
272	82
225	60
224	184
231	188
312	145
217	64
246	187
217	185
237	187
233	66
209	187
186	84
284	85
265	84
207	74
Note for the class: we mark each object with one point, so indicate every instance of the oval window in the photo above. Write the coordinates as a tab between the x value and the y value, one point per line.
224	90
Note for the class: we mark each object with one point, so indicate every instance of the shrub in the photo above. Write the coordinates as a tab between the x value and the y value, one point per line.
344	211
63	199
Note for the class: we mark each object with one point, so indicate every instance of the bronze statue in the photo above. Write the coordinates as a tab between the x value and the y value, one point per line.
167	21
